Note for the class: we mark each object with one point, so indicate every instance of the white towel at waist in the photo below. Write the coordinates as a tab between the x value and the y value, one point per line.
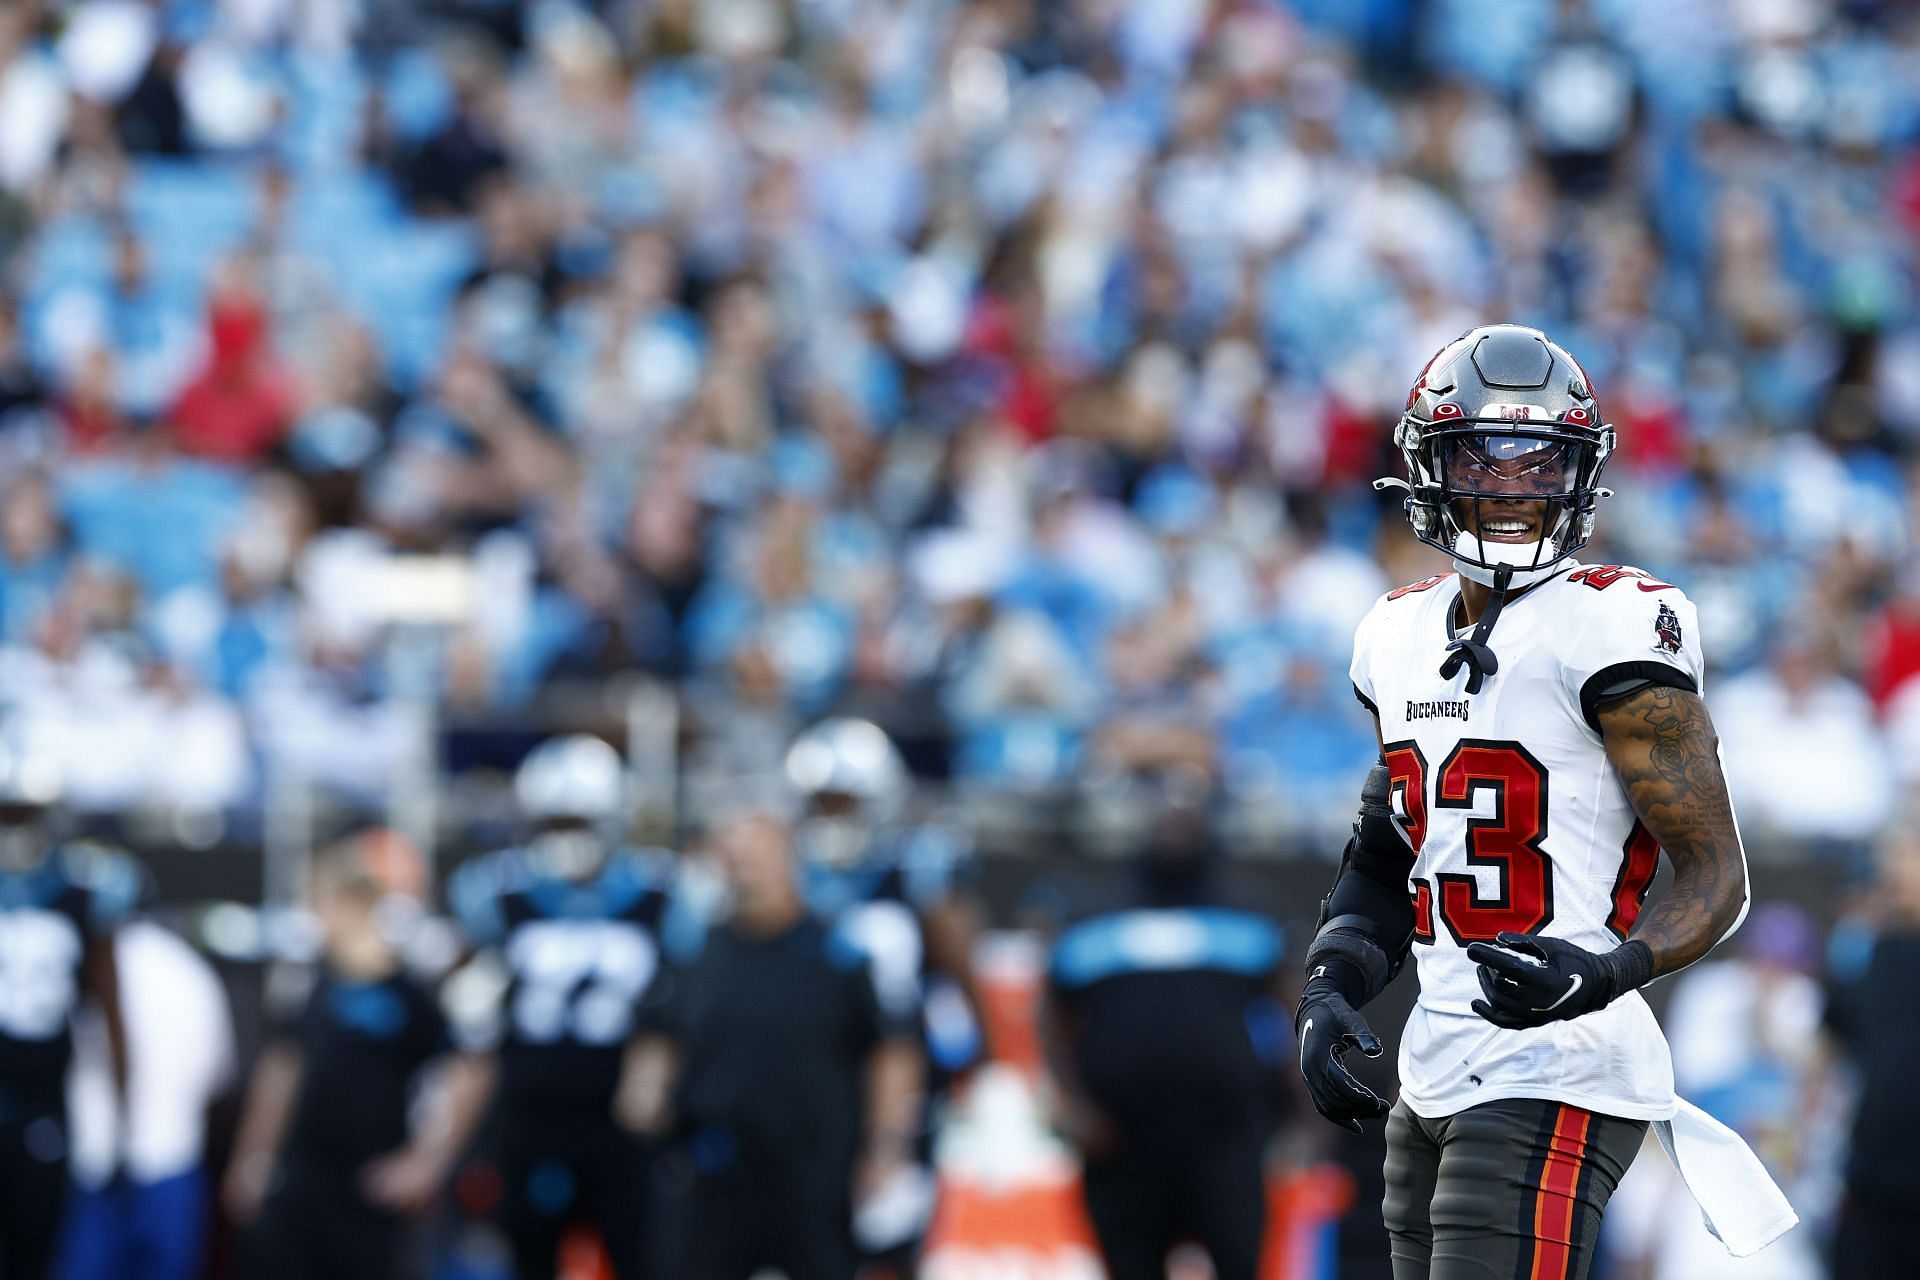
1738	1201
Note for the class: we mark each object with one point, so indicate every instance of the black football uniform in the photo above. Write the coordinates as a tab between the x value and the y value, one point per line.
49	916
580	957
880	902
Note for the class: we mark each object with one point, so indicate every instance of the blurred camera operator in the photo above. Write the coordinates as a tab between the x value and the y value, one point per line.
570	922
60	905
1164	1031
793	1086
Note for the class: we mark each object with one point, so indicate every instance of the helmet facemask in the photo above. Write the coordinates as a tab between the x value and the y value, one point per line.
570	848
1497	493
836	831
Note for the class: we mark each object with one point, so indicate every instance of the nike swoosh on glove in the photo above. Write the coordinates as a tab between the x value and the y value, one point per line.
1530	981
1329	1026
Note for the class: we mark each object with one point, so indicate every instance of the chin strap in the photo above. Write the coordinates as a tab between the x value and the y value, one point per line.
1473	651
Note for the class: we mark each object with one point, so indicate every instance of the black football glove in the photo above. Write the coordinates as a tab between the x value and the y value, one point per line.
1530	981
1329	1026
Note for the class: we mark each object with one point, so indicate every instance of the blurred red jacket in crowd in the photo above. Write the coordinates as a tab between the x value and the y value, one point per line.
239	406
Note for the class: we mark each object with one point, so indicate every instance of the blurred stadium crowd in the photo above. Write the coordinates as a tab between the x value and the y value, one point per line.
1009	373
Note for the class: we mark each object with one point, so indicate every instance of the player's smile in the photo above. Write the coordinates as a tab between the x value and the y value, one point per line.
1494	520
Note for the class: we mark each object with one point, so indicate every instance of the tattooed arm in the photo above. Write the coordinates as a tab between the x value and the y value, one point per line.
1661	743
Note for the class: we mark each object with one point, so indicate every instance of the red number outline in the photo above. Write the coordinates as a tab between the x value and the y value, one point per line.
1422	911
1407	771
1510	841
1602	576
1425	584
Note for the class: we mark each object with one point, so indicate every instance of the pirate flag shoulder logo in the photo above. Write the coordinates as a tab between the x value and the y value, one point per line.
1666	630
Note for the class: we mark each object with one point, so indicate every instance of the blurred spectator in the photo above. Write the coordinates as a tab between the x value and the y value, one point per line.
21	389
34	557
771	382
331	1158
1163	1026
240	404
1875	968
1804	756
770	625
1891	658
141	1206
144	327
441	174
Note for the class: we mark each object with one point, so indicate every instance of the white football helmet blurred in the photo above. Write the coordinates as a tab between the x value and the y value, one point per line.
852	780
577	778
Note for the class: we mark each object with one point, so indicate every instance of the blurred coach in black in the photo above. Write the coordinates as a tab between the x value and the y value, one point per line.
1164	1033
793	1092
1874	988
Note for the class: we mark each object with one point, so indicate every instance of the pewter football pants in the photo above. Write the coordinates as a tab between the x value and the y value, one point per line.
1510	1190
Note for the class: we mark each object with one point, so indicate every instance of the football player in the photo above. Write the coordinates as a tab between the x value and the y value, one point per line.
1543	738
899	890
573	917
60	903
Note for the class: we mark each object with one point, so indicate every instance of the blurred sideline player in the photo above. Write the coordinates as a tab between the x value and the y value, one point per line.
900	891
572	920
327	1164
1530	776
60	903
793	1088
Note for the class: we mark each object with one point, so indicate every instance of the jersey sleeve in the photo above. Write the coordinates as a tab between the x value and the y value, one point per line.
889	1006
1632	630
1361	671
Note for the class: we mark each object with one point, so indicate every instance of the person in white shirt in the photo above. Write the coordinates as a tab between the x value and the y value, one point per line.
140	1207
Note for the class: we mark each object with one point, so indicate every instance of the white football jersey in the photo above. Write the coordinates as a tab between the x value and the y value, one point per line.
1520	823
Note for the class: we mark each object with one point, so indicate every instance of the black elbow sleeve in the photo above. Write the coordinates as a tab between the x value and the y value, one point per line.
1383	904
1366	922
1365	933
